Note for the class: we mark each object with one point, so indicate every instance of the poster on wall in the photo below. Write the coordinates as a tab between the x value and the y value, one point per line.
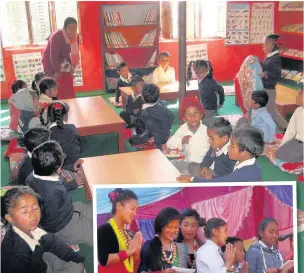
196	52
78	81
291	6
262	22
237	28
27	65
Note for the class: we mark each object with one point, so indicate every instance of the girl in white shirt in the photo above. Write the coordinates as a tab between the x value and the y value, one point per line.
164	73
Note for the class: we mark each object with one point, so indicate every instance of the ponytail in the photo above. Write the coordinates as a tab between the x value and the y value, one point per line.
210	70
57	110
42	110
155	255
189	72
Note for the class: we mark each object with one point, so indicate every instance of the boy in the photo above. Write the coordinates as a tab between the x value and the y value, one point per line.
245	145
191	137
216	162
70	222
134	102
124	79
158	118
259	117
291	149
164	73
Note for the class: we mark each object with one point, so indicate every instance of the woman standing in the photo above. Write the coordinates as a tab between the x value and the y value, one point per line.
61	56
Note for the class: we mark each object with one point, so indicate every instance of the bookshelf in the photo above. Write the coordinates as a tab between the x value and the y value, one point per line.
130	33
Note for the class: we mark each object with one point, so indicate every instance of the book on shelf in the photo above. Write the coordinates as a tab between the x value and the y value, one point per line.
113	59
115	40
151	16
298	77
300	54
302	80
113	19
152	60
285	72
291	74
297	28
148	39
290	52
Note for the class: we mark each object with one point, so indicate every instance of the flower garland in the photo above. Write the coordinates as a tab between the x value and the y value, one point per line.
172	259
123	240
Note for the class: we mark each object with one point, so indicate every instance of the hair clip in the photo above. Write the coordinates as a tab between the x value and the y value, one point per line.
45	105
113	195
58	106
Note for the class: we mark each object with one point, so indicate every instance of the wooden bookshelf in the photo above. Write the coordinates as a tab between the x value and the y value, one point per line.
130	33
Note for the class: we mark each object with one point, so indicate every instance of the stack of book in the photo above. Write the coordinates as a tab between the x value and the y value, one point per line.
148	39
292	53
113	19
115	40
151	17
152	60
297	28
113	59
293	75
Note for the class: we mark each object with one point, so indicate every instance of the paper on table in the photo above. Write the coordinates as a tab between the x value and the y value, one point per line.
183	270
285	267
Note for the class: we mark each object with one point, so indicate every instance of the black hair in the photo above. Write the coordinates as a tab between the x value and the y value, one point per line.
8	200
69	21
231	240
287	236
47	158
56	112
189	212
163	218
46	84
34	137
17	85
274	37
221	126
260	97
250	140
164	54
263	225
213	223
38	77
121	196
121	65
198	64
150	93
135	80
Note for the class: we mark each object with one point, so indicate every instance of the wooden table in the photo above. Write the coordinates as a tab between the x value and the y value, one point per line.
286	99
93	116
144	167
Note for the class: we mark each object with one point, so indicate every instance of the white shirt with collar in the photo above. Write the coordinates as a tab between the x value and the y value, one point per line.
55	124
218	153
128	79
247	162
272	53
162	76
198	144
54	177
148	105
209	259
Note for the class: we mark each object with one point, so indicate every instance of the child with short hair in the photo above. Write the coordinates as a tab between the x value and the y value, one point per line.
209	89
48	89
259	117
216	162
191	137
70	222
123	81
26	248
37	79
164	73
291	149
245	145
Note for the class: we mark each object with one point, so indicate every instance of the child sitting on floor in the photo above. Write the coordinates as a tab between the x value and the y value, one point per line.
134	101
191	138
291	149
259	117
216	162
70	222
245	145
26	248
164	73
37	79
123	81
48	89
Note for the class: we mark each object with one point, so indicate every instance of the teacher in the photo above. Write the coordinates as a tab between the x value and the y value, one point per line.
61	56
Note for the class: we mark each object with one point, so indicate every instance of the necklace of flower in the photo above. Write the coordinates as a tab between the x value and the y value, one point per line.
172	258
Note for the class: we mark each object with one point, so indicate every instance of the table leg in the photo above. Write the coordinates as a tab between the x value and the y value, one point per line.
123	100
121	139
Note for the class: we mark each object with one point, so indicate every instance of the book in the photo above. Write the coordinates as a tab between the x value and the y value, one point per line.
291	74
152	60
151	17
285	72
113	19
148	39
115	40
298	77
113	59
290	52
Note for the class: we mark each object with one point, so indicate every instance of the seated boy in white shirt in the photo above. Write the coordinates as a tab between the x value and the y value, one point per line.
164	73
191	138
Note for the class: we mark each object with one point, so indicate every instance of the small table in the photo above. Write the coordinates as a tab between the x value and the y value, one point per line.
93	116
286	99
144	167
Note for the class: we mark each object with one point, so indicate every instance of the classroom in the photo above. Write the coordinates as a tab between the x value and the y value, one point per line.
97	93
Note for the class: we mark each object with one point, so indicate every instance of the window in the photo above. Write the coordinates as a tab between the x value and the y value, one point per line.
31	22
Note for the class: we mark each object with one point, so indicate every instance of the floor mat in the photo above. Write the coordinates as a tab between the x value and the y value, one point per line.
233	119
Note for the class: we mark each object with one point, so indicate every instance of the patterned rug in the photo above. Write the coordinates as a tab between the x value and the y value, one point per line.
7	134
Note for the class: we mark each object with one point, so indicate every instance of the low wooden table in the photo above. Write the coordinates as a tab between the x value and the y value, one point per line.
144	167
93	116
286	99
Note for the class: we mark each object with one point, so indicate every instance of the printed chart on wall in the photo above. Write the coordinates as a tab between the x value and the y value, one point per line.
237	24
291	6
27	65
262	17
78	74
196	52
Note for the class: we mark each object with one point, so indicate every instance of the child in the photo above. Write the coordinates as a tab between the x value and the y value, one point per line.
48	90
14	112
118	248
216	162
191	137
124	79
210	257
245	145
291	149
32	138
134	101
164	73
70	222
258	116
157	117
26	248
208	87
271	75
37	79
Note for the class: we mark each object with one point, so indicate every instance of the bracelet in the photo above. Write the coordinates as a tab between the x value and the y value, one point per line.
122	255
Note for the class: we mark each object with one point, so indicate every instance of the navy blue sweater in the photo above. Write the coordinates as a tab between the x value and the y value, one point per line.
272	68
120	83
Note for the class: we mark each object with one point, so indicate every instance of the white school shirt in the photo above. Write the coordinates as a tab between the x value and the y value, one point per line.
295	127
209	259
198	144
247	162
218	153
162	76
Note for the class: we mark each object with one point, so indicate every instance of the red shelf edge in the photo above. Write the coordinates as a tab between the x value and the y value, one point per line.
292	33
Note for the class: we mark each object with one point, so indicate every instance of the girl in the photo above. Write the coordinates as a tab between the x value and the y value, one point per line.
162	253
209	257
118	248
26	248
48	90
208	87
271	75
190	223
37	79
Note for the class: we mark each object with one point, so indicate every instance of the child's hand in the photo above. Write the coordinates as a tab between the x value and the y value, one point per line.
185	139
77	165
262	75
244	268
184	178
206	173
